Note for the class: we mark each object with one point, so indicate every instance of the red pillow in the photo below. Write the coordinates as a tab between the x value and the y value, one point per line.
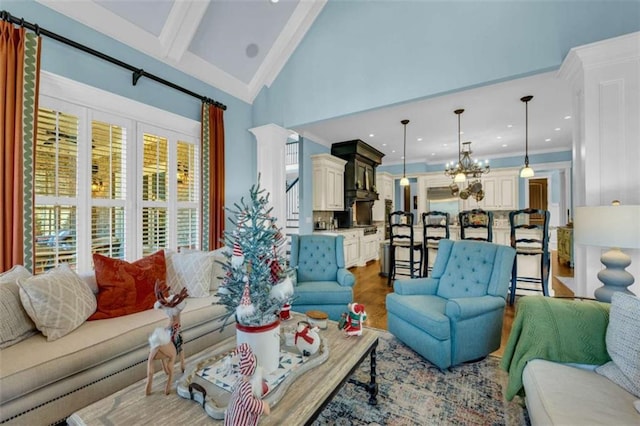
126	288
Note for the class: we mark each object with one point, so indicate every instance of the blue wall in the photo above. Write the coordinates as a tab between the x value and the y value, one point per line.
362	55
240	147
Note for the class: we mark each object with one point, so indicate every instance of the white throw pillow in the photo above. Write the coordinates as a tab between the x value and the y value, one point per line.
190	270
623	343
58	301
15	323
217	272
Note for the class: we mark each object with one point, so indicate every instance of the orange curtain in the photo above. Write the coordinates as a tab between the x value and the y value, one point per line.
19	70
212	176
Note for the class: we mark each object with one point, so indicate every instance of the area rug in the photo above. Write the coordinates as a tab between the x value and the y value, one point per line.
412	391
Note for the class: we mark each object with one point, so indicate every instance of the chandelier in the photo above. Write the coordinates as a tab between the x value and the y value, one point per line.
466	168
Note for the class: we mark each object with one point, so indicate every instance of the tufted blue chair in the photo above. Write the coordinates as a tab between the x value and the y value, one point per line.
323	283
455	315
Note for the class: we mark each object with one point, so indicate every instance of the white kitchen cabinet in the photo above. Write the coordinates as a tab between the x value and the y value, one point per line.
328	182
500	192
352	248
384	185
369	245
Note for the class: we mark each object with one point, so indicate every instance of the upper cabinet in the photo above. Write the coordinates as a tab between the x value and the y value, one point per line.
500	192
385	192
328	182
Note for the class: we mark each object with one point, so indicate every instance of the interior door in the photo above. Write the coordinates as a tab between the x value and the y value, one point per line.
537	198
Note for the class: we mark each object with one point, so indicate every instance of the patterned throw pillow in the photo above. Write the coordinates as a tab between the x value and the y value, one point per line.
217	272
126	288
623	343
191	271
15	324
58	301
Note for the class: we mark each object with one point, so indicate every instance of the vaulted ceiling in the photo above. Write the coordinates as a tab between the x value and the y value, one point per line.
237	46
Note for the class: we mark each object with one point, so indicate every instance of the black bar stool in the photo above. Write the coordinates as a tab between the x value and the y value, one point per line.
432	233
401	236
530	237
476	219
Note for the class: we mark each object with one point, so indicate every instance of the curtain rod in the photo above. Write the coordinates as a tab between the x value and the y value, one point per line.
137	72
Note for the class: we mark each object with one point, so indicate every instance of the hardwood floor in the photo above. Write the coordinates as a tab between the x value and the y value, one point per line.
371	290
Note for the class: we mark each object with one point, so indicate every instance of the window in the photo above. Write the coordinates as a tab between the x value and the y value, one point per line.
111	183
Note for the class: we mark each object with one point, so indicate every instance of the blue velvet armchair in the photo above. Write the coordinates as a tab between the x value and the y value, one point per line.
455	315
323	282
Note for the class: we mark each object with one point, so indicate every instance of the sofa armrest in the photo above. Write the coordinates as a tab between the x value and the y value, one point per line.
469	307
415	286
345	277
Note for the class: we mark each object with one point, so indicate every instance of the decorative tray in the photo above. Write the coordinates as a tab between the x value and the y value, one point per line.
208	381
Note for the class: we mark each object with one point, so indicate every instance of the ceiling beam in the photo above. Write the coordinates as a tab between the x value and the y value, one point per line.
180	28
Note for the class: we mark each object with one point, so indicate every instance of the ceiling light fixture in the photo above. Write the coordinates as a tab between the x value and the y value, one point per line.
526	171
404	181
466	167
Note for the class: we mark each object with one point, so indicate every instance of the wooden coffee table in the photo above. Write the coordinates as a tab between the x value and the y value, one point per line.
303	401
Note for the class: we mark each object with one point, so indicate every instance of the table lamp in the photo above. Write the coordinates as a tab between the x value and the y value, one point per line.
615	226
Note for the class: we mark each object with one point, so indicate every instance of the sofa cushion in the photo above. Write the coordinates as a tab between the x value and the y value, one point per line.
623	343
322	292
15	323
425	312
126	288
565	395
58	301
191	270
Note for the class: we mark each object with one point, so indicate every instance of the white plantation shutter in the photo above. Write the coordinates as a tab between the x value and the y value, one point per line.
112	182
55	187
108	189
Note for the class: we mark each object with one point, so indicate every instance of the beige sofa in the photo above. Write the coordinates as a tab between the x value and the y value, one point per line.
43	382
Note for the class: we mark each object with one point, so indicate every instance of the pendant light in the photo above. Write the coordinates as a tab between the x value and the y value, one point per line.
526	171
404	181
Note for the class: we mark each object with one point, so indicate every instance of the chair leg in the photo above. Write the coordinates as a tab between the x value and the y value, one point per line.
425	264
392	265
514	280
411	264
544	274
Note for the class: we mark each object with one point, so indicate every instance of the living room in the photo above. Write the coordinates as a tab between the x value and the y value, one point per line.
361	56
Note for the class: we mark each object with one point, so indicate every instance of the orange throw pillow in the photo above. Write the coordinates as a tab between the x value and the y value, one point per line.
125	288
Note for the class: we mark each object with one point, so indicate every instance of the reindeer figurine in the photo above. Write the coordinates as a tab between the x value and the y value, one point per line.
166	343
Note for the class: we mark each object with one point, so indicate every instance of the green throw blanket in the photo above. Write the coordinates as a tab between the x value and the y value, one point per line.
560	330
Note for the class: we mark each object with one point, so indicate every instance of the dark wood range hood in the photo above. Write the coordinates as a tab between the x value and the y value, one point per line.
359	178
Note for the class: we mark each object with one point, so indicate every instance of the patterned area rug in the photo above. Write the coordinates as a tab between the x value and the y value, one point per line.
413	391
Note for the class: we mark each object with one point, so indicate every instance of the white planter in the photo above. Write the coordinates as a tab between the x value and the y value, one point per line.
264	341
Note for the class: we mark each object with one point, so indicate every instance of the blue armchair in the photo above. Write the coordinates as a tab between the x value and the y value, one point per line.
323	283
455	315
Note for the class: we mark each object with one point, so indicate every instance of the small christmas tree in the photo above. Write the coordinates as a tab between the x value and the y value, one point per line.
256	284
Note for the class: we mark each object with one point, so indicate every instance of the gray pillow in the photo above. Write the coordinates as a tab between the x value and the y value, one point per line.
15	324
623	343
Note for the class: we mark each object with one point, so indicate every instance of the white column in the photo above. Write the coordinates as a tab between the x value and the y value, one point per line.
605	79
271	141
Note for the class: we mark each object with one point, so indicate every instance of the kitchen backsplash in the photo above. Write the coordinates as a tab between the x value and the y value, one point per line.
322	219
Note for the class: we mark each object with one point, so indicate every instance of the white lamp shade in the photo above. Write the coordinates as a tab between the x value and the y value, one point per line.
404	181
460	177
526	172
608	226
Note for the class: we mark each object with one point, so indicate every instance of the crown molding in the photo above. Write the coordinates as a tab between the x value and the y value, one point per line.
317	139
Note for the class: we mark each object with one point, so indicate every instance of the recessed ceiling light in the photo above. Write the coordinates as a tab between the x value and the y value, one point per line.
393	151
509	125
557	129
462	133
384	144
402	158
499	137
504	145
419	139
371	135
566	117
444	144
274	1
433	153
547	140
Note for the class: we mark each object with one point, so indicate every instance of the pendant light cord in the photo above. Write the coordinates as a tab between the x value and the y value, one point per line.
404	155
526	134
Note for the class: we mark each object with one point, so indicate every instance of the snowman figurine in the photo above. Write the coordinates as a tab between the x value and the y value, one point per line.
306	338
351	321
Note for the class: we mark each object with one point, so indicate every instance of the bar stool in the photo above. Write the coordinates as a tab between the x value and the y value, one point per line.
476	219
401	236
530	237
432	233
